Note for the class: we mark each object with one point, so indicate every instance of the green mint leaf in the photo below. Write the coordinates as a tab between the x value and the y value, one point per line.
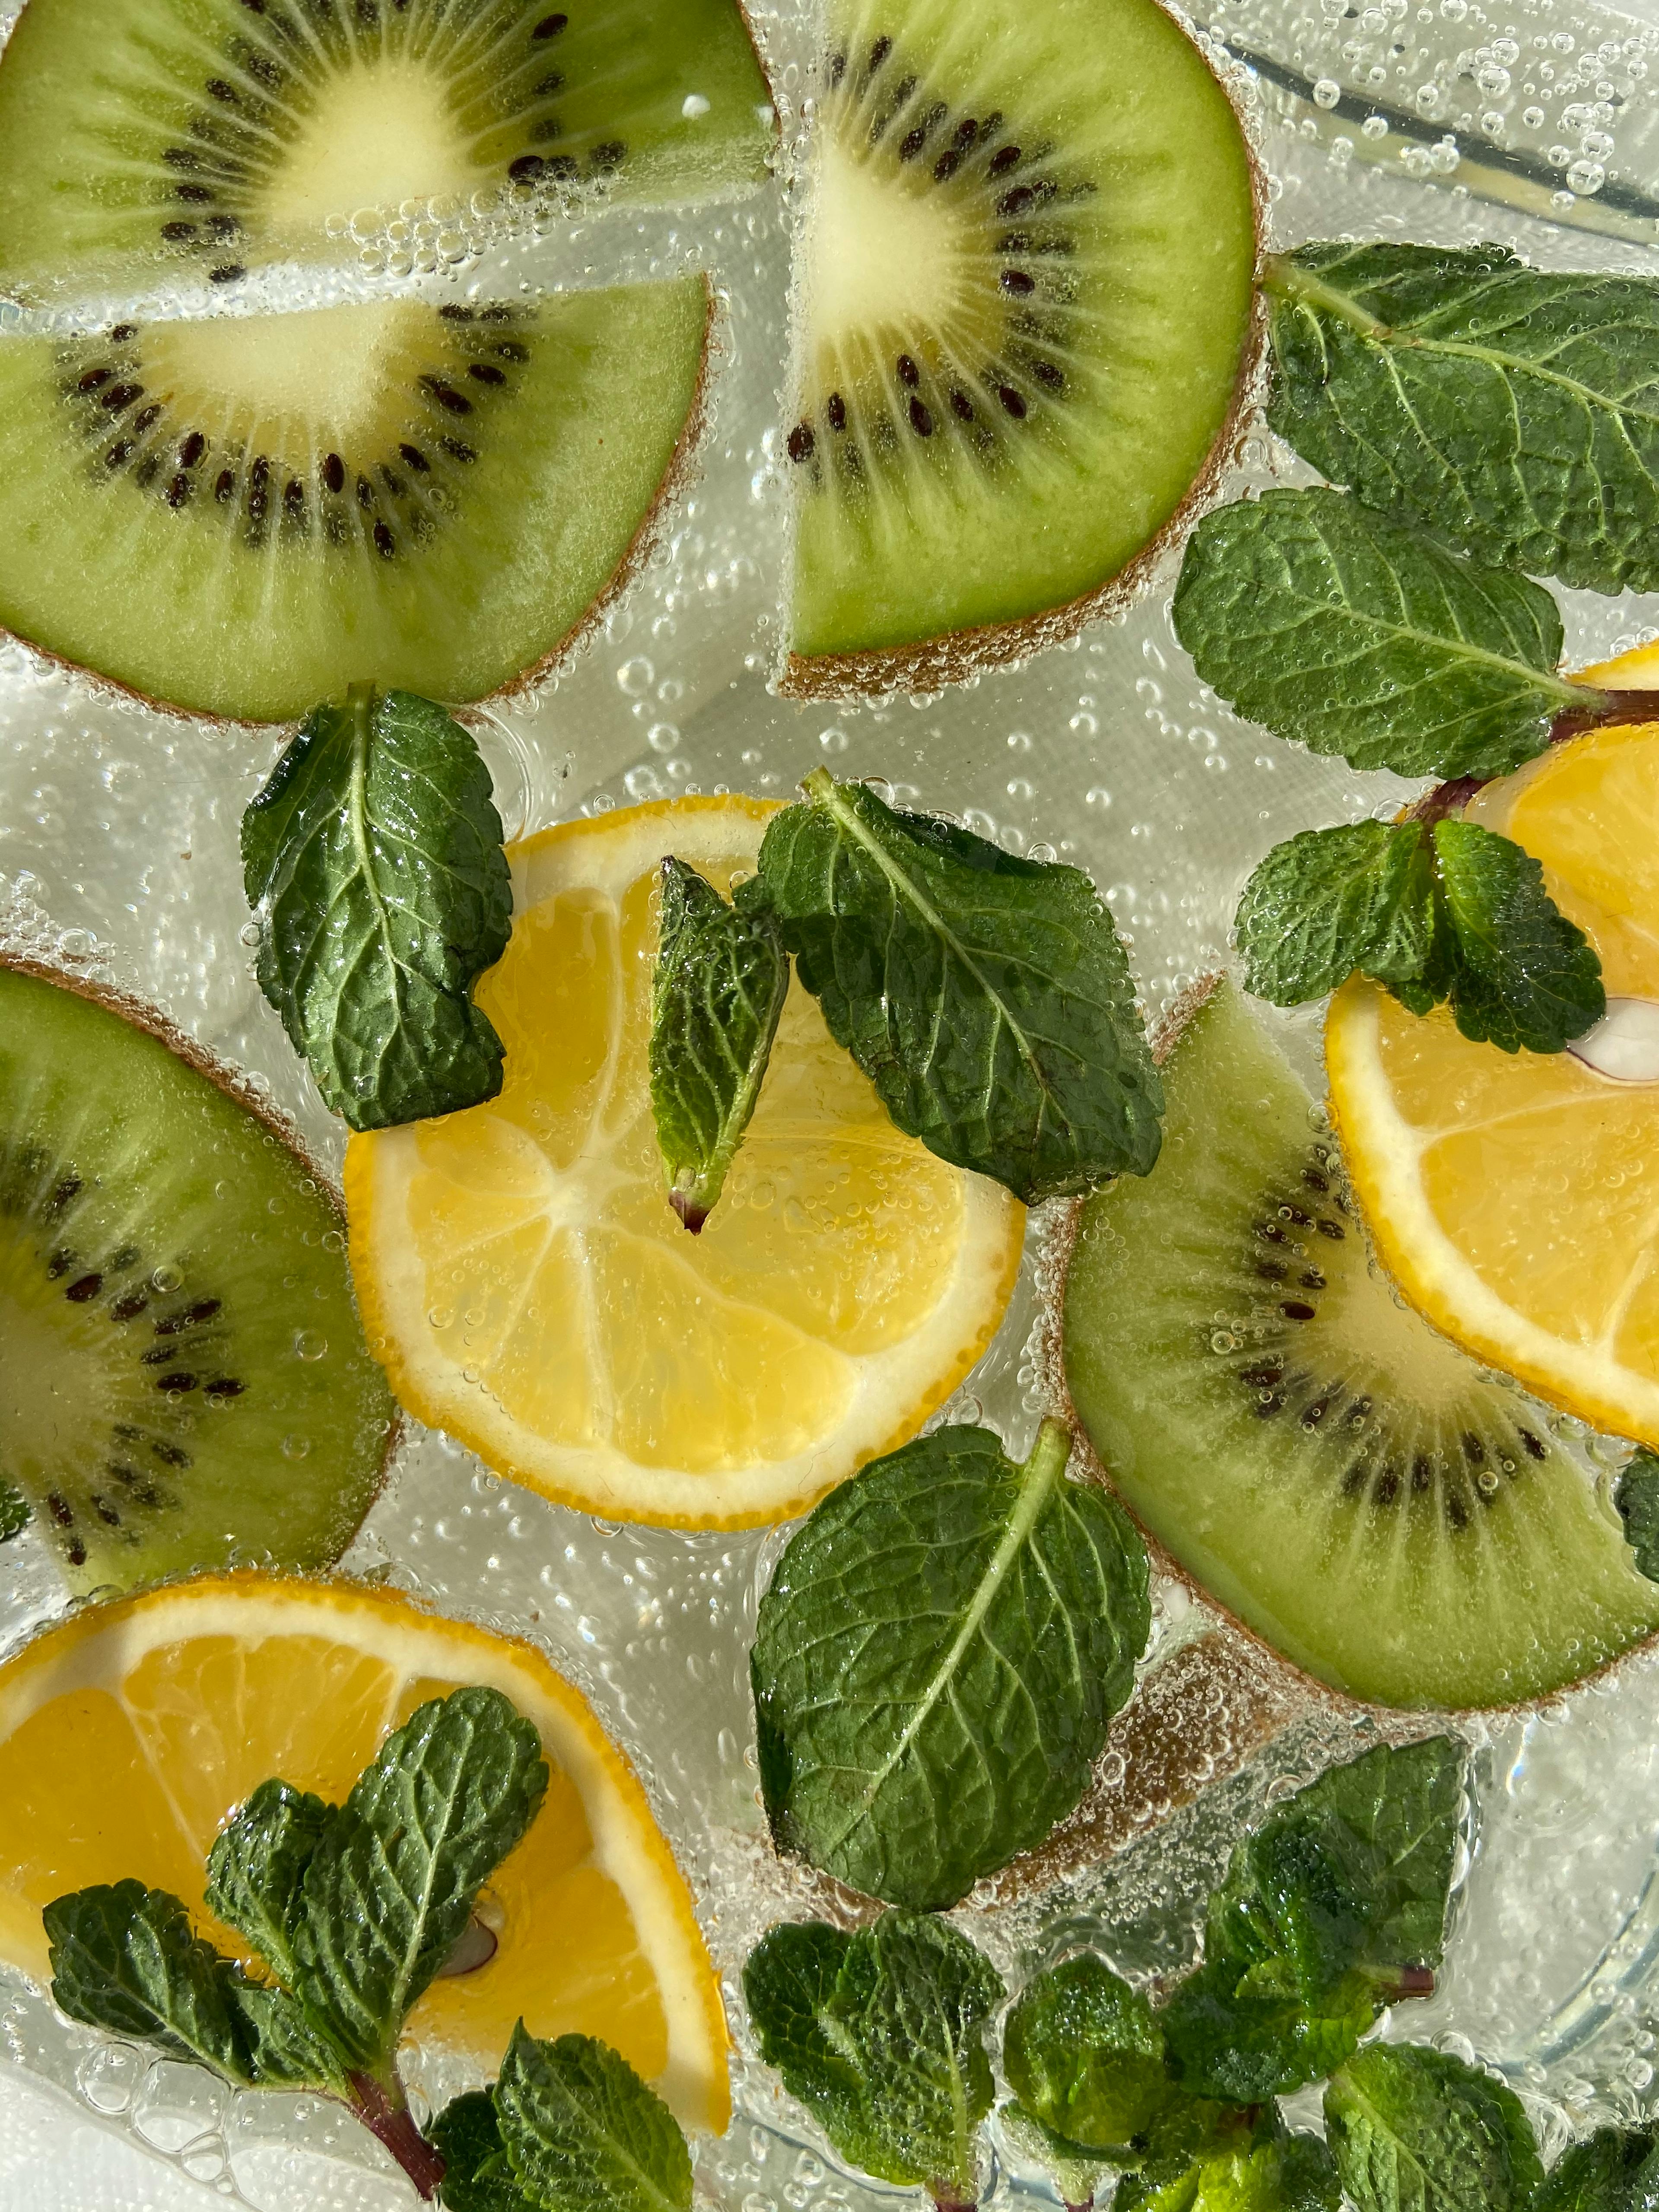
716	995
376	849
1341	630
478	2176
1613	2171
1085	2055
1270	2171
125	1957
1414	2129
881	2036
936	1660
1518	973
13	1512
391	1884
1511	411
1636	1494
584	2134
283	2051
257	1865
1242	2042
986	997
1331	901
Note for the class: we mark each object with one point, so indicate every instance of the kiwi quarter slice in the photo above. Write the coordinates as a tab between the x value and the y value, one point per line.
1025	312
243	515
1394	1518
183	1380
222	134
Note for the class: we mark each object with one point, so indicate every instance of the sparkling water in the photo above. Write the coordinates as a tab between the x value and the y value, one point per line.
1527	120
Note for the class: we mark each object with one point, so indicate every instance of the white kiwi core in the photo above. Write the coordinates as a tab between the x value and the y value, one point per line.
886	262
258	374
385	132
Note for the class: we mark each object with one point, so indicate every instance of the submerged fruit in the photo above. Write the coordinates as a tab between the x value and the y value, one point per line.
184	1380
536	1292
1025	307
1515	1198
1392	1518
242	516
222	134
129	1732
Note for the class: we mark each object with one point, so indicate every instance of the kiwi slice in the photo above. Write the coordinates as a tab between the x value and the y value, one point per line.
185	1382
241	516
1026	315
1392	1517
222	134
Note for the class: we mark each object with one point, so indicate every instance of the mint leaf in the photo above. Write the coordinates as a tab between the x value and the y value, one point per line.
1241	2040
986	997
887	2051
1511	411
1636	1494
716	994
390	1885
584	2134
478	2176
1518	973
936	1660
13	1512
1331	901
376	847
1271	2171
1414	2129
283	2051
256	1867
125	1957
1084	2057
1350	634
1613	2171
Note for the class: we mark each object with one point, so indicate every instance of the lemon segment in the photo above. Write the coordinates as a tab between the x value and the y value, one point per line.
532	1292
129	1732
1515	1199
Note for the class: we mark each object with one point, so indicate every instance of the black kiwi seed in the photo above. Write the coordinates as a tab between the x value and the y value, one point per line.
458	450
224	486
549	26
921	421
226	273
1003	160
527	169
176	233
364	492
961	405
908	374
95	379
416	459
878	53
1013	402
385	543
1017	282
835	408
801	442
191	450
119	454
334	473
177	491
1046	372
484	372
456	402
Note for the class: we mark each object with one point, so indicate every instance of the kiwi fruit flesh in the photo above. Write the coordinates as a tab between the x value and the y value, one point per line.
244	515
1390	1516
213	136
1024	314
184	1382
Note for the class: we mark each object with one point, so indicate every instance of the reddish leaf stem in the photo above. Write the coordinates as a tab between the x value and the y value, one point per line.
393	2124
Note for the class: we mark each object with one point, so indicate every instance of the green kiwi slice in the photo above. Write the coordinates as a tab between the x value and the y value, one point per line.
1025	318
1392	1517
184	1382
224	134
244	515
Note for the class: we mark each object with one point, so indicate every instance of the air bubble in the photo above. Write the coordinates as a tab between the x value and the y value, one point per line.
310	1343
1326	92
168	1278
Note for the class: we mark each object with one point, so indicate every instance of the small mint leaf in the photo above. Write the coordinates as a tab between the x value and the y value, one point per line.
583	2133
1330	902
1271	2170
716	994
125	1957
1518	973
1083	2054
284	2051
1414	2129
1613	2170
478	2176
257	1865
1636	1497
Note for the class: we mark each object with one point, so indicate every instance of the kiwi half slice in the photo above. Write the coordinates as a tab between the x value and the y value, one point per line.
242	516
1026	316
224	134
183	1380
1392	1517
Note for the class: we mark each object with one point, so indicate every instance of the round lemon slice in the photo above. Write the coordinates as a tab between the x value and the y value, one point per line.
129	1732
1515	1199
531	1292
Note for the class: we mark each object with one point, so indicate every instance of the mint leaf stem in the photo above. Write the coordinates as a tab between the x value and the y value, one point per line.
389	2120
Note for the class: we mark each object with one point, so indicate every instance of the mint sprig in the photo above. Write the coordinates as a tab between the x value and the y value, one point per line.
374	852
1444	912
1414	2129
1269	2170
1614	2169
716	993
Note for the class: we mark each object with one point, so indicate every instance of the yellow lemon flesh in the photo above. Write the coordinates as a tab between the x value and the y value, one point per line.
531	1292
1515	1199
129	1732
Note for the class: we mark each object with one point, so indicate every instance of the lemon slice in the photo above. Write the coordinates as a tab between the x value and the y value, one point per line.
129	1731
1515	1199
530	1289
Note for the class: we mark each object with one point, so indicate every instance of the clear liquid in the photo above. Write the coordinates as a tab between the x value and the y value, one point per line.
118	850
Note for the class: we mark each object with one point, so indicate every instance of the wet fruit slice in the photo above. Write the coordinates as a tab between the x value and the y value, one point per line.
184	1382
437	496
1515	1199
1396	1521
1026	304
129	1732
139	134
537	1296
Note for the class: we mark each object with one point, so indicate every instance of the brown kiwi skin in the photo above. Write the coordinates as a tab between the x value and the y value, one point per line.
1397	1723
930	663
682	472
142	1015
